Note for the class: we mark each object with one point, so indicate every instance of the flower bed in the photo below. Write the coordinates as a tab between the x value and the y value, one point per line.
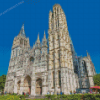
74	97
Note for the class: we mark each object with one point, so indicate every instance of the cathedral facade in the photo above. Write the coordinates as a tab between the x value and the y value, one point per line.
48	66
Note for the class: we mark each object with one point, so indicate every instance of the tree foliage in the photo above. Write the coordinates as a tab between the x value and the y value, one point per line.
96	79
2	82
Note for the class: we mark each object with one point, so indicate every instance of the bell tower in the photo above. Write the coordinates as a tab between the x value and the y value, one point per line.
20	43
60	53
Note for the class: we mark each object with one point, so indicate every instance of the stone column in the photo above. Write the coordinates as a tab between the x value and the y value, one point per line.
49	80
22	85
33	84
64	81
71	88
56	81
15	86
72	84
33	87
67	82
44	91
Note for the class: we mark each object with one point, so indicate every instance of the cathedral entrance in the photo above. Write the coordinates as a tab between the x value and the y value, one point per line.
18	87
27	85
39	86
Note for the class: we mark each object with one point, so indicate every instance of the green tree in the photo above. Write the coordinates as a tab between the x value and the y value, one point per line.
96	79
2	82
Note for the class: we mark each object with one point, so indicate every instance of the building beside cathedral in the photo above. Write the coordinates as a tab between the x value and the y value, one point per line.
54	67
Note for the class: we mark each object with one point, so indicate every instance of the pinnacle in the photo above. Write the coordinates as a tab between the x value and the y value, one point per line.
23	26
87	53
44	39
22	31
38	40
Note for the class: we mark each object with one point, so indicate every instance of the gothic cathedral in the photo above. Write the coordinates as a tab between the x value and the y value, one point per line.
48	66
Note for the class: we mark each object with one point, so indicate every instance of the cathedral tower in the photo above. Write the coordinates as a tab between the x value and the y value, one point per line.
59	40
44	48
60	53
20	43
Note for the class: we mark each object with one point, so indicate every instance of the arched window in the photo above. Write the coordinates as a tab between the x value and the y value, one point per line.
58	23
13	52
19	52
59	78
16	52
57	10
25	43
31	60
53	78
21	41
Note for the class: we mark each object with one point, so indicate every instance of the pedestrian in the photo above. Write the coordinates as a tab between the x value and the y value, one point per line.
48	93
24	93
57	93
51	93
61	93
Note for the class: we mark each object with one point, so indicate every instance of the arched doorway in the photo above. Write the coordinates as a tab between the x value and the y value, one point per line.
27	84
39	86
18	87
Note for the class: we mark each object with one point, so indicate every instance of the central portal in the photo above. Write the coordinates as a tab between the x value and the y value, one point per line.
27	85
39	86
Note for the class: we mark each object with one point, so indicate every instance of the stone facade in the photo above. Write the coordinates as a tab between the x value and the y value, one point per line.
38	70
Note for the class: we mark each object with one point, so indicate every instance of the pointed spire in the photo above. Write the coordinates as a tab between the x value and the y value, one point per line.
23	26
33	45
50	12
38	40
44	39
87	53
22	31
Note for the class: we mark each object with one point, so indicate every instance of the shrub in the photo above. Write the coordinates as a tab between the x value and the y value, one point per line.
51	96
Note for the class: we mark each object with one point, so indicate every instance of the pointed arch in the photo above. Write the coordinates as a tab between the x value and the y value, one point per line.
27	84
39	86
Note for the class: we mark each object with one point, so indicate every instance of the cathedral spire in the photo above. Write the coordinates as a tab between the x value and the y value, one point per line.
38	40
87	53
33	46
44	39
22	31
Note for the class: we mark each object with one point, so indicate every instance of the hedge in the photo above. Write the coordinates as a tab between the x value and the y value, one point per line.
74	97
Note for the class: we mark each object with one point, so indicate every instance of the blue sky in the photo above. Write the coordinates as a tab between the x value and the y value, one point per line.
83	20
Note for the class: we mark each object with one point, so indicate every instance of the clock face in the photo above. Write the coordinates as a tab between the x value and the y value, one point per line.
31	1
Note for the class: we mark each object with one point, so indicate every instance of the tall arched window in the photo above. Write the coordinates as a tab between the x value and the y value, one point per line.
25	42
53	78
16	52
31	60
13	52
19	52
58	22
59	78
21	41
